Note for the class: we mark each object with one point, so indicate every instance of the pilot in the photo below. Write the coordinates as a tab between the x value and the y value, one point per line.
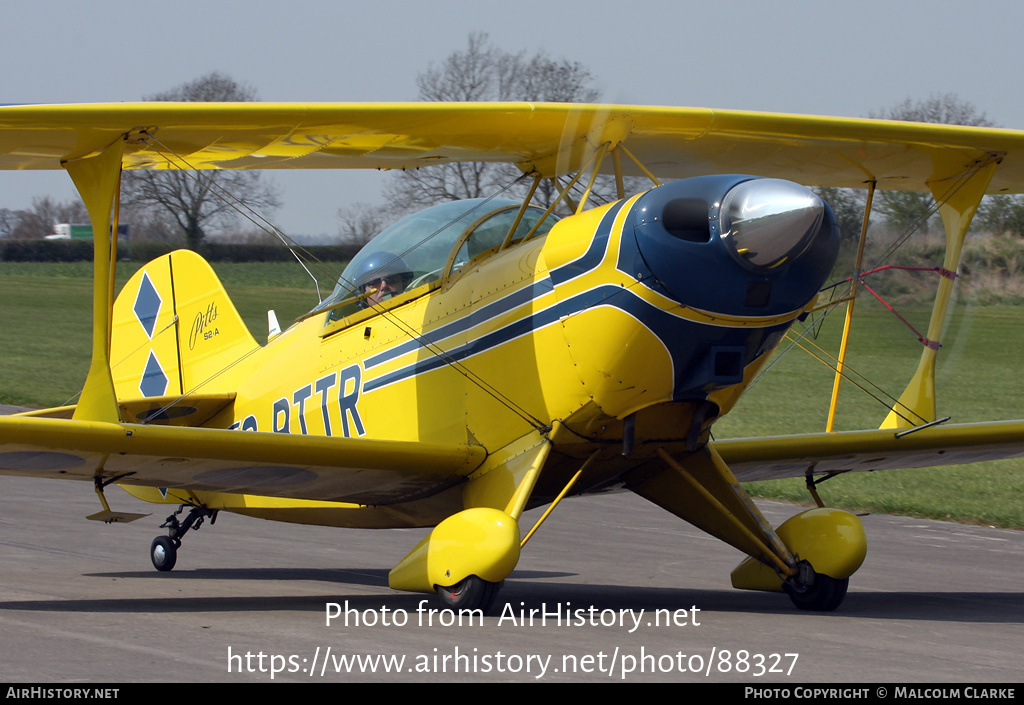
383	275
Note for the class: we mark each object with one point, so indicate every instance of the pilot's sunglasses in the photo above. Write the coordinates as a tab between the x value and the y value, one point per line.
392	280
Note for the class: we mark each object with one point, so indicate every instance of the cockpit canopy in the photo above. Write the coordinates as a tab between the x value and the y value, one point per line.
432	244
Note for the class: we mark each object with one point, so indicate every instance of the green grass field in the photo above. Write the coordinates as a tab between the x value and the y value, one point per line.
47	319
977	379
44	355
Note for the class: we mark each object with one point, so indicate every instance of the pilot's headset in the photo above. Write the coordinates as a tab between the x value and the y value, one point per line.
380	265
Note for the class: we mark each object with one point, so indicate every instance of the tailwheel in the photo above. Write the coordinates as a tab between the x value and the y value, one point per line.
164	553
823	595
164	549
472	593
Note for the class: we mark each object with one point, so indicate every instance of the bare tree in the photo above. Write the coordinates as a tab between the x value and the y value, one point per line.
1002	214
848	207
8	219
38	221
193	199
361	221
483	72
945	109
906	210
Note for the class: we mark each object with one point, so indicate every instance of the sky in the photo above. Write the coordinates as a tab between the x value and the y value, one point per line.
822	58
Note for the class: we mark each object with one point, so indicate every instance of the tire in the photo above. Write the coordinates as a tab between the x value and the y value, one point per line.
473	593
824	596
163	553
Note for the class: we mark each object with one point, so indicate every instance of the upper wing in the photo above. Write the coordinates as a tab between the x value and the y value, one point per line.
549	138
271	464
882	449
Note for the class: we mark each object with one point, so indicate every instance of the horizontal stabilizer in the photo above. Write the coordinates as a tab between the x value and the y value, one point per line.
188	410
57	412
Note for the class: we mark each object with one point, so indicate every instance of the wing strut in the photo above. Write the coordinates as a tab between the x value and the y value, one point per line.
647	173
559	498
958	201
702	490
562	193
599	159
98	180
620	184
840	363
520	213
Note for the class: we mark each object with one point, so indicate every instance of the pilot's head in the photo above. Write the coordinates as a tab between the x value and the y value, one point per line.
384	275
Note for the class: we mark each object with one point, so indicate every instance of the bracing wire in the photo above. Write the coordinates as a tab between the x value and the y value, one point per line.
818	321
244	210
268	227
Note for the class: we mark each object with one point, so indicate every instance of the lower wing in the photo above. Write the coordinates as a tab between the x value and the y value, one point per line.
337	469
776	457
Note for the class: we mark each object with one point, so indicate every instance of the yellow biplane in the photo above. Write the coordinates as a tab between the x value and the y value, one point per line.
484	357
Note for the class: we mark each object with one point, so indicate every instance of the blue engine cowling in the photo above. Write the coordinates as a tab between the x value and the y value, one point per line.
734	245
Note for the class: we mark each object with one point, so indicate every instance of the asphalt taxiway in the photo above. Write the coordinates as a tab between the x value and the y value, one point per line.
249	599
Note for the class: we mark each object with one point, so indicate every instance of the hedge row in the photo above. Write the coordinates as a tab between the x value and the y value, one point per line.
81	250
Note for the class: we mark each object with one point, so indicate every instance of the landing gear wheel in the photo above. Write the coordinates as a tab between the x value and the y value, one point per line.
823	596
473	593
164	553
164	549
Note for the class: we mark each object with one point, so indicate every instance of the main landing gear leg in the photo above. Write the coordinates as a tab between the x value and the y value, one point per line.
164	549
810	556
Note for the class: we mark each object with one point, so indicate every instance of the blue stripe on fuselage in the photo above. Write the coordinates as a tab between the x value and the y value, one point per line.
495	338
594	254
685	340
473	318
590	260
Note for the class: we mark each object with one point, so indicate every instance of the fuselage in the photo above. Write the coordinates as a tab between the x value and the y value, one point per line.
636	321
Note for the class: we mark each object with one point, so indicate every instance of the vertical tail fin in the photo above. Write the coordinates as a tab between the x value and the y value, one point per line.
174	329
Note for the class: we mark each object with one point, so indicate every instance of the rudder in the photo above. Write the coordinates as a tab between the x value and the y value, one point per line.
173	329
